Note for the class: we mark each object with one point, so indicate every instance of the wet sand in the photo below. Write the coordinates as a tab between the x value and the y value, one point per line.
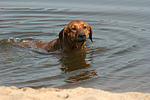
13	93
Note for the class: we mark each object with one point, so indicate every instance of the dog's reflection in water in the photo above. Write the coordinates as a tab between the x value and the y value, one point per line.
76	61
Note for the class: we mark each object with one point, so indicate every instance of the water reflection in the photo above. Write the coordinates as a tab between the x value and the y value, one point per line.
76	61
81	76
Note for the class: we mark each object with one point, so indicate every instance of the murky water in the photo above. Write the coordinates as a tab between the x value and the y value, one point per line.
119	58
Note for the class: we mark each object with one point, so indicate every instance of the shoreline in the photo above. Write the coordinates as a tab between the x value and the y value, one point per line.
27	93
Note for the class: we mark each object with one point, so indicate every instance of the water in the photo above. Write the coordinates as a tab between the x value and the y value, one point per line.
117	61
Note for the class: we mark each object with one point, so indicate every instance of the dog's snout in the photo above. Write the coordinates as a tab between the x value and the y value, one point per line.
81	35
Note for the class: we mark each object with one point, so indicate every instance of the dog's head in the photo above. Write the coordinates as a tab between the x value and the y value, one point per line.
76	31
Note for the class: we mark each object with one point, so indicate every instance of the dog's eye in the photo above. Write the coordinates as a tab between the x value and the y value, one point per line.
84	27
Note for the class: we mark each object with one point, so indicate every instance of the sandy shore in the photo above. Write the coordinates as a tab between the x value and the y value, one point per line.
13	93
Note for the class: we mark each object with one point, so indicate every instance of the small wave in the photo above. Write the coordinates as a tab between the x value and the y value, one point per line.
15	40
12	39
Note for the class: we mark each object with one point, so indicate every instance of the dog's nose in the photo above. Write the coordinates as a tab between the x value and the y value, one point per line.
82	35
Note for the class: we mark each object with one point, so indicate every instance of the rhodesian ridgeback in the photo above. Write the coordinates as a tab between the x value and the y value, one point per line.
72	37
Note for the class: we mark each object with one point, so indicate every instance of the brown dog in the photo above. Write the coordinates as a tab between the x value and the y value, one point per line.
72	37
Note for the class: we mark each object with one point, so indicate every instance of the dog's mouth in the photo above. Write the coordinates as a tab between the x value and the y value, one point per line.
81	38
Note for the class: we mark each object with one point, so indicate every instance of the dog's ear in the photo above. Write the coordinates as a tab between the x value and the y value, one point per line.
90	34
62	34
